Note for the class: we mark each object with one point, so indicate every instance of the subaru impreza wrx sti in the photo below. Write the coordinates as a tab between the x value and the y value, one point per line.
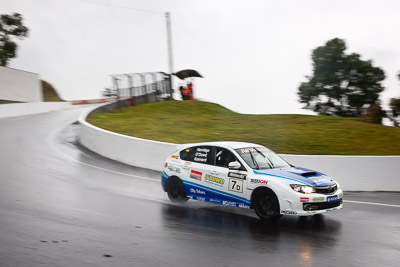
248	176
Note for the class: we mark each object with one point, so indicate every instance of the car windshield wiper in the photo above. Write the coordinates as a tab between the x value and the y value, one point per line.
271	165
254	162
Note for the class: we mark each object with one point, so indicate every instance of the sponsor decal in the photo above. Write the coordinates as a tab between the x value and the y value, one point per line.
235	185
290	212
201	198
257	181
196	175
244	206
236	175
187	163
229	203
304	199
215	200
197	191
318	199
174	156
332	199
174	169
247	150
214	180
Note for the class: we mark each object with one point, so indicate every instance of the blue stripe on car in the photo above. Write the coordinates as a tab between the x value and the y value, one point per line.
262	173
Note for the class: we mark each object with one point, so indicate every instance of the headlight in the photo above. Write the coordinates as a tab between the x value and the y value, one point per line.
338	185
302	188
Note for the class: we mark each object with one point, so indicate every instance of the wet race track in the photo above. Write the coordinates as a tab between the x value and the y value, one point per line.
61	205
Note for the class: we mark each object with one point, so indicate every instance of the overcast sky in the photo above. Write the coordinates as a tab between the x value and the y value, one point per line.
253	54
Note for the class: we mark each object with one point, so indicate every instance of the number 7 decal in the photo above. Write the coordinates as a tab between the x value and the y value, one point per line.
235	185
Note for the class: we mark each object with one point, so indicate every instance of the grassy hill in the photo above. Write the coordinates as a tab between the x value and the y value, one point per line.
196	121
49	93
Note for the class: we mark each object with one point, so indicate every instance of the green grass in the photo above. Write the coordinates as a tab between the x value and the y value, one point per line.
195	121
49	93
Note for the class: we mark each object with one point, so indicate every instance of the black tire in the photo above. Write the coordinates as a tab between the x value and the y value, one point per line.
266	205
176	190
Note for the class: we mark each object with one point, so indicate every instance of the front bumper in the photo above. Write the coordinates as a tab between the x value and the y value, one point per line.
313	212
310	204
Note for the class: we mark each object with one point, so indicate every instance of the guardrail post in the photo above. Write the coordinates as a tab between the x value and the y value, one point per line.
117	90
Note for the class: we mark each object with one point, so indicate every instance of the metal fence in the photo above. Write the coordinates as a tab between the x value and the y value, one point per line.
150	86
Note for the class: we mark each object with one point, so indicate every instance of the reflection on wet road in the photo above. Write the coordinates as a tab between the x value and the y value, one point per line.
61	205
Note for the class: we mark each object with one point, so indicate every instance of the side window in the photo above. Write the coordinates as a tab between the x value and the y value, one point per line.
199	154
187	154
223	157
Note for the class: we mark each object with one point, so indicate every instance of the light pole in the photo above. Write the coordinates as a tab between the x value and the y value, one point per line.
169	32
170	56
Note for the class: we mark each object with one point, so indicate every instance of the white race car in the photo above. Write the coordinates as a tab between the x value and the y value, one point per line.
248	176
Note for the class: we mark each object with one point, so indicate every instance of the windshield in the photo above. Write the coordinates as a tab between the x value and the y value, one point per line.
261	158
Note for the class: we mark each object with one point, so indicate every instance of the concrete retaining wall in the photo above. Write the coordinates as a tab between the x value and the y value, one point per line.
21	86
20	109
355	173
133	151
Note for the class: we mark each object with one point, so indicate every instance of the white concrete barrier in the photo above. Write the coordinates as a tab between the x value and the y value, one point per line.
355	173
21	86
21	109
134	151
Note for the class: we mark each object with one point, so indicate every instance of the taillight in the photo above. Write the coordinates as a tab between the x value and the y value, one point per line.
165	165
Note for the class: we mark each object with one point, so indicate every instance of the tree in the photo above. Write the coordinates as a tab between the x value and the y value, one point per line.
375	114
342	84
10	25
394	113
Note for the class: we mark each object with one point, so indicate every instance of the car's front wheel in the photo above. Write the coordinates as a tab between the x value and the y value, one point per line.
176	190
266	205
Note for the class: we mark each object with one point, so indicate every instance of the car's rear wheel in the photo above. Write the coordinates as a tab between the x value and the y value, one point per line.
266	205
176	190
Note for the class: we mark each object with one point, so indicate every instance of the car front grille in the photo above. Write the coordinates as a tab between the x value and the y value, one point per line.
326	190
322	205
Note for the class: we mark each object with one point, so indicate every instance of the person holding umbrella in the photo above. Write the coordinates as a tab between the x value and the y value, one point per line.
187	93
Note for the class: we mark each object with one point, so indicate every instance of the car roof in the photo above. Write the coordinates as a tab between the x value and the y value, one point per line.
231	144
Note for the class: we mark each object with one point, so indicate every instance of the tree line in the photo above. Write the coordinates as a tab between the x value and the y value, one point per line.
341	84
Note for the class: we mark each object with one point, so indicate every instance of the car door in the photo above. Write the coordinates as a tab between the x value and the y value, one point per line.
230	184
195	167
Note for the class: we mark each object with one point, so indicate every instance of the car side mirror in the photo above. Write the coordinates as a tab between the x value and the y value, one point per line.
234	165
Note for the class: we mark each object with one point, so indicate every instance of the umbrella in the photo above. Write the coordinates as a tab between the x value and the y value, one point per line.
183	74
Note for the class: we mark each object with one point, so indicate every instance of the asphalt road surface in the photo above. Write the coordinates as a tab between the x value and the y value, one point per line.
61	205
